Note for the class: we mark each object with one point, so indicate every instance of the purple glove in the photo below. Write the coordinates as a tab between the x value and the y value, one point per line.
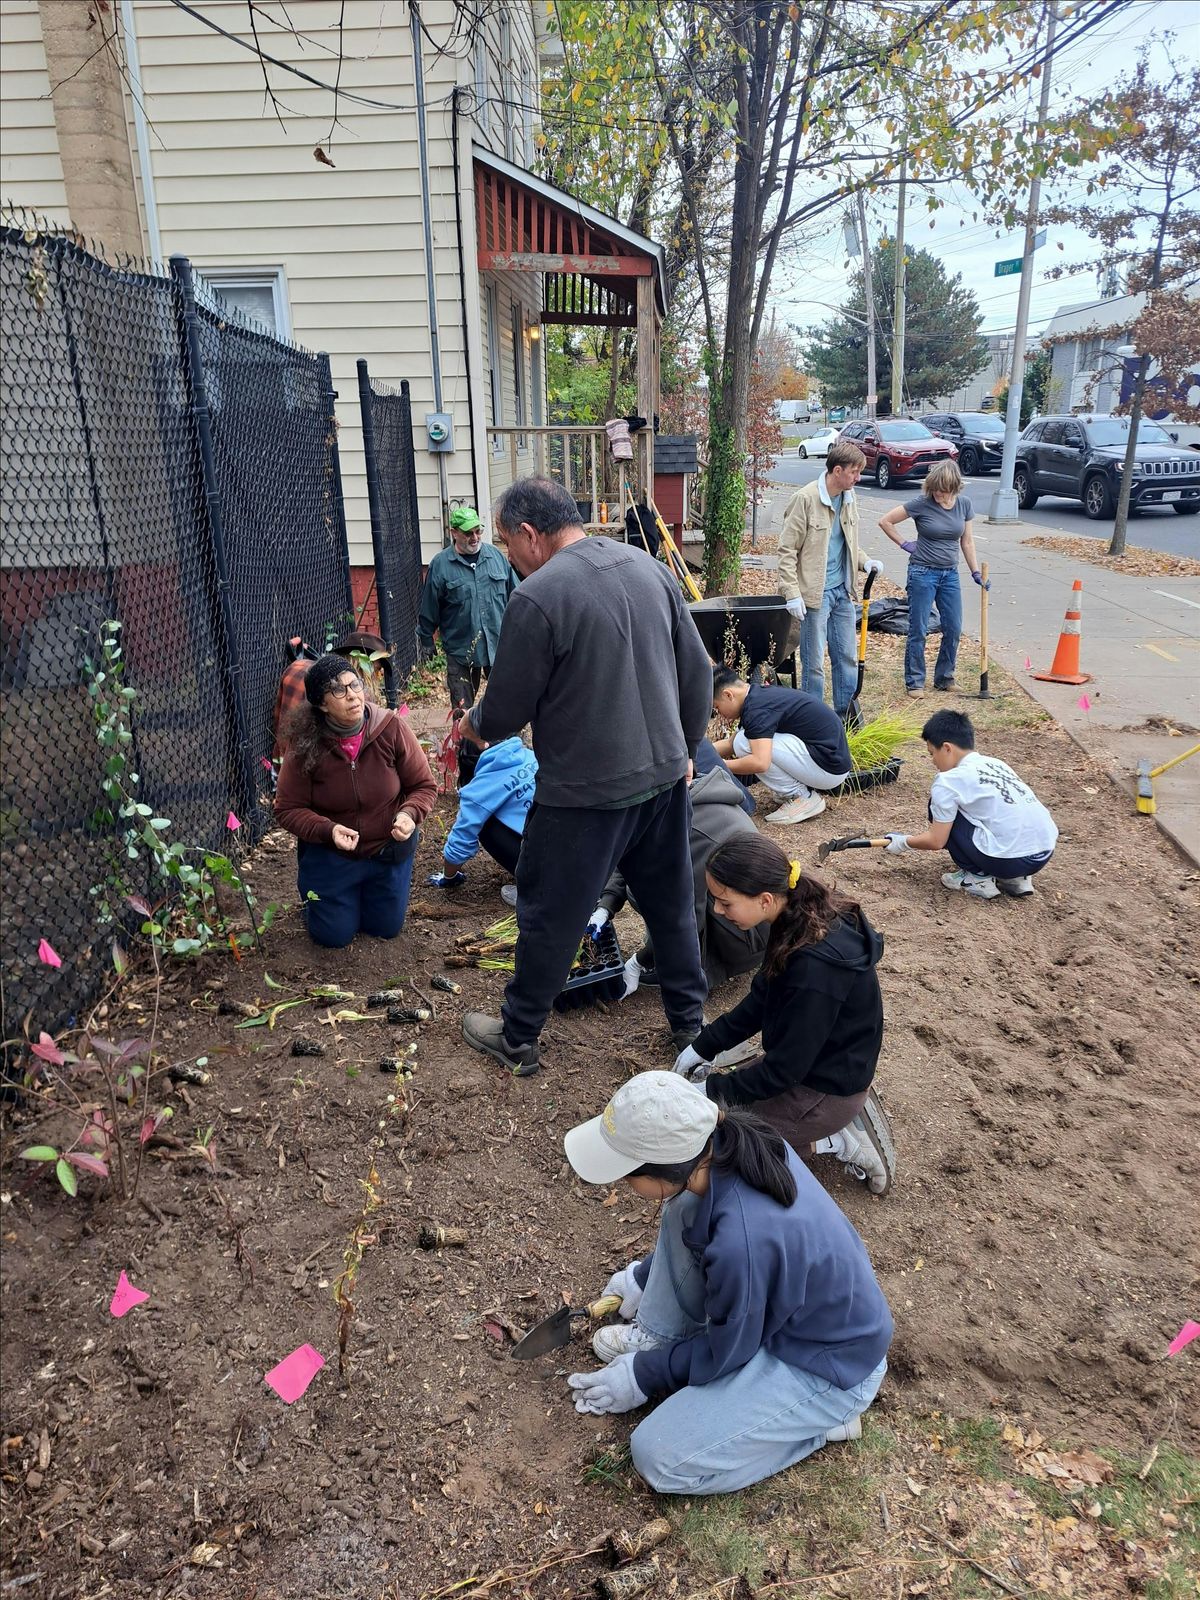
909	546
978	576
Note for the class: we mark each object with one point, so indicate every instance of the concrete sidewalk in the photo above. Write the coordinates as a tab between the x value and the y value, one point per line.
1141	643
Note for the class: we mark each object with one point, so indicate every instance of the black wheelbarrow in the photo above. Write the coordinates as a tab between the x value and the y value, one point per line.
757	626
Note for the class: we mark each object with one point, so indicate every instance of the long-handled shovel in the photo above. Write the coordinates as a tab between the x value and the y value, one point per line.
854	716
853	841
555	1331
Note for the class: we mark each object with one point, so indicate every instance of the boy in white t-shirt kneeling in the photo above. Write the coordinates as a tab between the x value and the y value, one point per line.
998	833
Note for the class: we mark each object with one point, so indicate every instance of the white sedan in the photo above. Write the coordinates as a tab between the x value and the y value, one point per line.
818	444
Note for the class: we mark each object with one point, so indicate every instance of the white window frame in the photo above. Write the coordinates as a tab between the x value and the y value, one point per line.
520	382
507	94
482	91
274	278
495	370
525	78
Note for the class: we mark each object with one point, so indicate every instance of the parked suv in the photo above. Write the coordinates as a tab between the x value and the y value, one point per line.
979	436
898	449
1083	458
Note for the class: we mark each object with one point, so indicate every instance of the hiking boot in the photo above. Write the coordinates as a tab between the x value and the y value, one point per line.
847	1430
862	1151
916	693
948	687
508	893
799	810
972	883
682	1037
486	1034
1017	887
622	1339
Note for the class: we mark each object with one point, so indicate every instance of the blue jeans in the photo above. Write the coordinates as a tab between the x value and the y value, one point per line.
713	1438
830	627
355	894
925	585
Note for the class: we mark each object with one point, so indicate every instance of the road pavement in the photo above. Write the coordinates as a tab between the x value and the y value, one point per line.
1156	528
1141	643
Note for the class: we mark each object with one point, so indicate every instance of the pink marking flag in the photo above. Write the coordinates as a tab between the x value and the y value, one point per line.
232	823
1189	1331
125	1297
295	1372
1084	703
1028	664
48	954
403	711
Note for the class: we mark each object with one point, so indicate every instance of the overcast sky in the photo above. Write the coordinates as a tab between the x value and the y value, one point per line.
807	289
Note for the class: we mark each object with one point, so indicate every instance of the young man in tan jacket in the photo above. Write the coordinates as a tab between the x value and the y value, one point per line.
818	562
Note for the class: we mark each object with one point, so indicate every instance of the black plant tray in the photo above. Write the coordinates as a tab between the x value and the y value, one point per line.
606	980
871	777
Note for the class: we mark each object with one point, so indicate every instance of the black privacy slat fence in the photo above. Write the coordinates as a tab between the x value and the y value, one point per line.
168	466
391	469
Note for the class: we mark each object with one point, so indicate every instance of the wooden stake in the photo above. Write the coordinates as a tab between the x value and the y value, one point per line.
983	632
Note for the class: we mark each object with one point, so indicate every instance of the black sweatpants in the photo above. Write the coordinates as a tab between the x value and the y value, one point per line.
501	842
568	854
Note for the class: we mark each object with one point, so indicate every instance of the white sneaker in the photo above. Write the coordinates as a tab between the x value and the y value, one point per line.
847	1430
508	893
971	883
1017	887
620	1338
799	810
859	1149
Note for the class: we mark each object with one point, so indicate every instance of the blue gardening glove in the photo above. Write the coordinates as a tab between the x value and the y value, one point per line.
442	880
909	546
612	1389
897	844
690	1064
626	1285
596	922
978	576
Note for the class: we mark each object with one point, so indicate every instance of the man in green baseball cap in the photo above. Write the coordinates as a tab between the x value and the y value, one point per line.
465	594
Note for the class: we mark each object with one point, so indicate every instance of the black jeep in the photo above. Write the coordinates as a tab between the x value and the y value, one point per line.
1083	458
979	436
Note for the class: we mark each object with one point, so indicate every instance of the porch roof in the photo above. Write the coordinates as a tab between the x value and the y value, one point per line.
527	225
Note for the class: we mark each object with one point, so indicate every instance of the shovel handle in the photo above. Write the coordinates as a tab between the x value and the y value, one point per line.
602	1307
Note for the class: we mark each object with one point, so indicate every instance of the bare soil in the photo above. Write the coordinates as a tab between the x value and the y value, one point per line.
1039	1249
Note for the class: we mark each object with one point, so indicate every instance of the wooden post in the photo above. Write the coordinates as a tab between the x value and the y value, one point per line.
592	463
647	373
984	693
512	453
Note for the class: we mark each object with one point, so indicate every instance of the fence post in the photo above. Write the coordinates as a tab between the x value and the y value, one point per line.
245	781
414	503
383	596
335	470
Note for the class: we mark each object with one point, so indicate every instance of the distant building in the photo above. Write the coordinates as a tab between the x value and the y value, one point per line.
972	395
1094	361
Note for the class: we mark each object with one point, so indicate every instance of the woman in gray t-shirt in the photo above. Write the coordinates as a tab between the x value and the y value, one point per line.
943	515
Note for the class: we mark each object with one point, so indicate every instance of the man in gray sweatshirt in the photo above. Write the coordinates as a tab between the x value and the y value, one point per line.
600	655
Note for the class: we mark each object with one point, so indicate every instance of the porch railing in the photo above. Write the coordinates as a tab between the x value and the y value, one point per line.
578	458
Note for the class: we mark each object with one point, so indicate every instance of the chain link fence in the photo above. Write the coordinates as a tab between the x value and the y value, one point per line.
169	466
391	468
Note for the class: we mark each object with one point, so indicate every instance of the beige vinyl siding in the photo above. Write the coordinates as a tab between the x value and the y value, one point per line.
234	189
523	289
31	174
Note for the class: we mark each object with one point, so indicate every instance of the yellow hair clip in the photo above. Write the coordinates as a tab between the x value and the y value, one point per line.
794	875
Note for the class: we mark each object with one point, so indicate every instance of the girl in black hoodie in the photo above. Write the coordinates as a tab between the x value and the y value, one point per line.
817	1004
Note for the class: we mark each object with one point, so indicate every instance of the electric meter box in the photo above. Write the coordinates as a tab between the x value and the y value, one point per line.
439	425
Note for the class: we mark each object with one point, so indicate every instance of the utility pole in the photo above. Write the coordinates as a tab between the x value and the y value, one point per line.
1004	506
898	306
869	292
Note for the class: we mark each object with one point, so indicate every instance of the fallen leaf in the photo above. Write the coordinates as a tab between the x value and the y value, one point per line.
203	1554
611	1198
914	1488
494	1331
1080	1466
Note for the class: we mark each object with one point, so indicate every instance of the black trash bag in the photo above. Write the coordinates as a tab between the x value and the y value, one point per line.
891	616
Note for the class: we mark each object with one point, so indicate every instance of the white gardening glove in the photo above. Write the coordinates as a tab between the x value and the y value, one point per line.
871	565
690	1064
597	921
797	607
633	976
614	1388
897	844
626	1285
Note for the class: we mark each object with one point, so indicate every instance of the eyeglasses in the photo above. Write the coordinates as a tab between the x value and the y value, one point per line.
342	689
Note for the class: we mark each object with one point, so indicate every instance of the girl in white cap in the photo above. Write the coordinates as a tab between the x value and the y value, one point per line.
756	1320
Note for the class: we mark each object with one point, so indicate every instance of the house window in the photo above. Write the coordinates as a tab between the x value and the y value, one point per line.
258	293
507	95
481	78
520	416
493	338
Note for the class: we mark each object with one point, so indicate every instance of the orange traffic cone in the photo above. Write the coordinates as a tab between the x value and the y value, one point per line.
1065	668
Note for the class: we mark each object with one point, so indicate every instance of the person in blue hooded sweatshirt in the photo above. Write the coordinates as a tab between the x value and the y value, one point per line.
756	1321
492	807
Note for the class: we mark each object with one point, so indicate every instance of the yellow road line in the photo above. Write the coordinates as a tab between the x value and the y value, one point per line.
1163	653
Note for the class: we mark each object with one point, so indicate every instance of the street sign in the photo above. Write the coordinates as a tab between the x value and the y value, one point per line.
1039	238
1007	269
872	399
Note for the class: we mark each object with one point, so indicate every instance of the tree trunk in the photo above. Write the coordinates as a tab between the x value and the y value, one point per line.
1121	520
